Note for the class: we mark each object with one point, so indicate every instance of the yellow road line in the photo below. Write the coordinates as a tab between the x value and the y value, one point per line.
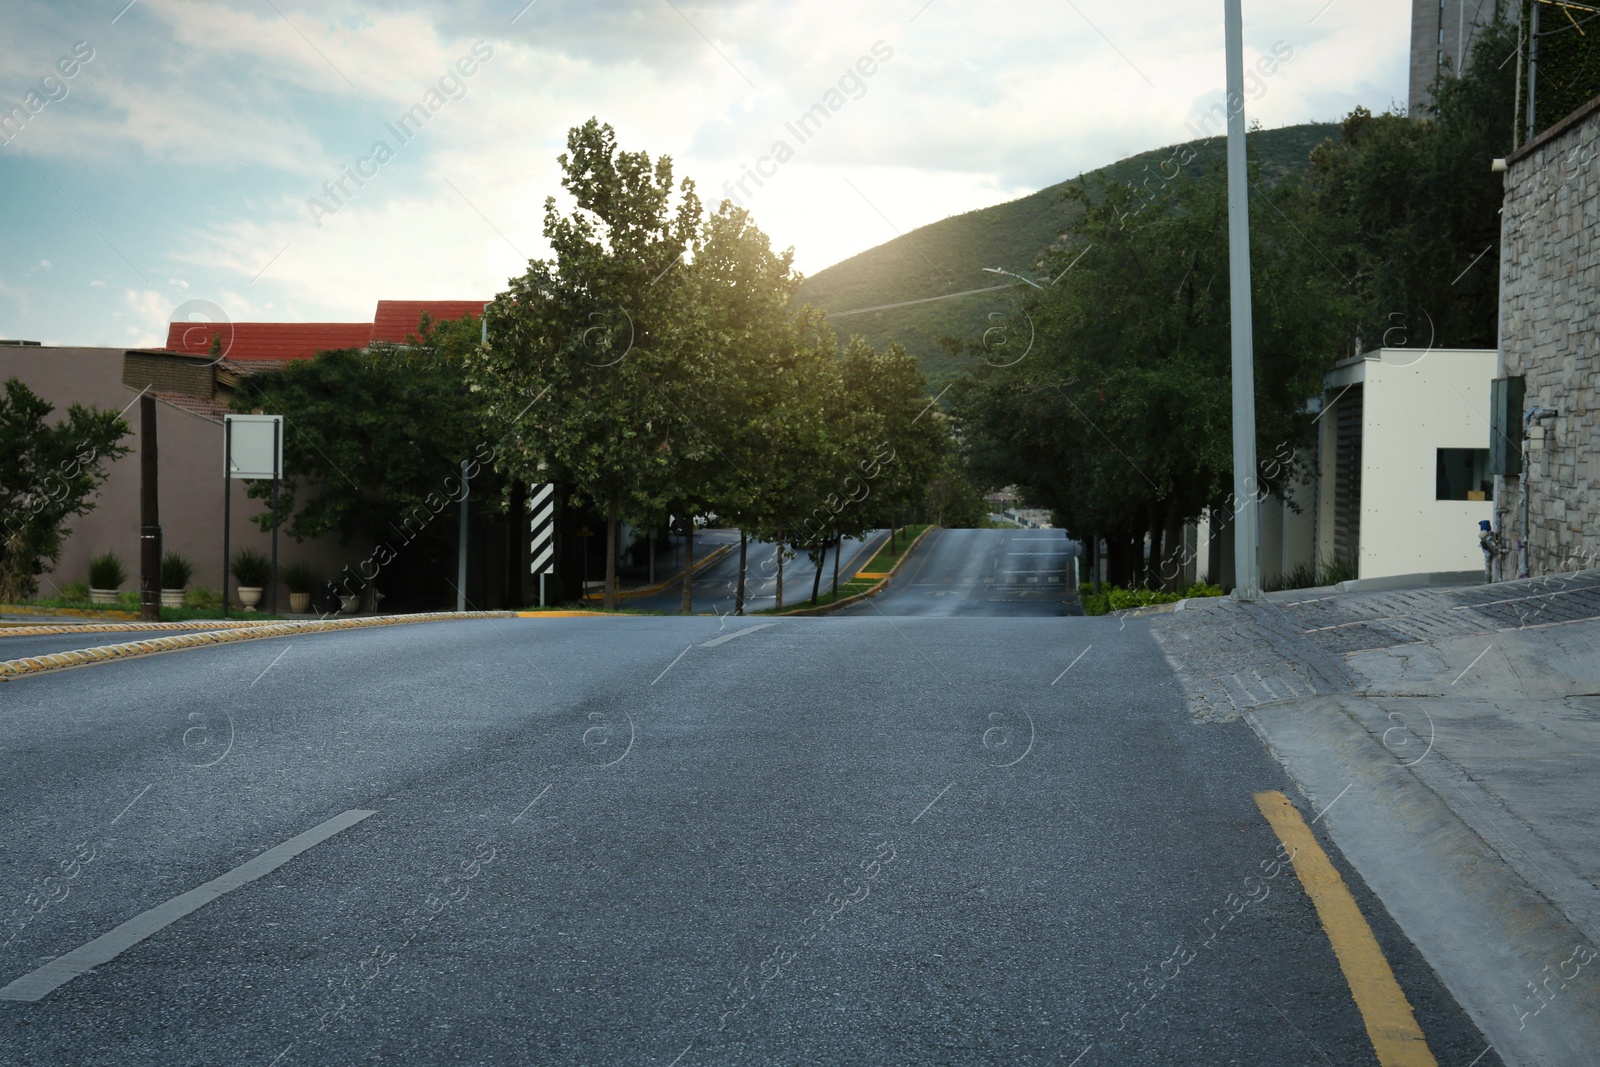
1395	1035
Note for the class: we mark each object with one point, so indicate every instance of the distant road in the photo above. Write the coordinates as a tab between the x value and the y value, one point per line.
983	573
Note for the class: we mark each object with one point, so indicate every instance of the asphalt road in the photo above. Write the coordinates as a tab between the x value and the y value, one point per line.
44	644
983	573
671	841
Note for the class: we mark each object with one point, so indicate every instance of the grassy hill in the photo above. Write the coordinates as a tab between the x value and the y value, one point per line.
949	256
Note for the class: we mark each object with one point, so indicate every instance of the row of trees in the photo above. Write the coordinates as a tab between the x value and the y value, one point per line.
656	365
1120	418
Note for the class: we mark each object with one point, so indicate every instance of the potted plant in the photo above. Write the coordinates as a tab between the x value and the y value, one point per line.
252	571
349	603
106	572
301	580
176	570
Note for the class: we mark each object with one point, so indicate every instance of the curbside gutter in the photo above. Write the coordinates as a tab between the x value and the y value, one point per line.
106	653
883	581
661	587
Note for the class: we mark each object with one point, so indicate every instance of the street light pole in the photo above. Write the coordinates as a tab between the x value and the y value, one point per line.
1246	504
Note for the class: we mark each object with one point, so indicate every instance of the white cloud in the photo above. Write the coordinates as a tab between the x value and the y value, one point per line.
228	118
45	263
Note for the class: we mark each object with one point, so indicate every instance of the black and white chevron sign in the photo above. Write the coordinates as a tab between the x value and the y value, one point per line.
542	503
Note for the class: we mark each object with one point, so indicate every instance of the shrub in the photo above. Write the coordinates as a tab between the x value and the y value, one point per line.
75	591
250	568
300	577
1336	570
176	570
202	598
1115	598
106	571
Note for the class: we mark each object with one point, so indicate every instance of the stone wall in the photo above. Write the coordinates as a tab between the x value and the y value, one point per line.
1550	299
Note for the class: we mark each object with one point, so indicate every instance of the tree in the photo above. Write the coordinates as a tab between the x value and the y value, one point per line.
901	419
1119	417
952	501
50	475
374	441
371	437
592	333
739	322
1406	209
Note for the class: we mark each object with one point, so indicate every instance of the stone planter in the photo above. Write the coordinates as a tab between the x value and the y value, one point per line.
103	598
172	598
300	602
349	605
249	596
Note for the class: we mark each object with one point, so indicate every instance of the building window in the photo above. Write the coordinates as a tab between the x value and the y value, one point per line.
1463	474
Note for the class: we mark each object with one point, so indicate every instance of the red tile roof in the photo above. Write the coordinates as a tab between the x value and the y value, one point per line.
395	319
246	341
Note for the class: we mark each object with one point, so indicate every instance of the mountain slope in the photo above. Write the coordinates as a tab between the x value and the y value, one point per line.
948	256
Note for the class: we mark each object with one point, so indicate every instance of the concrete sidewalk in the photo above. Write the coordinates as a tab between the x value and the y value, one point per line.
1451	737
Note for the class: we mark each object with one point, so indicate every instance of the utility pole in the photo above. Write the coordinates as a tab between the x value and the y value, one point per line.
461	549
150	515
1247	524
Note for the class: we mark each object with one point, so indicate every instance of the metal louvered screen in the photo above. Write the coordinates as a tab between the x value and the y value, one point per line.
1347	476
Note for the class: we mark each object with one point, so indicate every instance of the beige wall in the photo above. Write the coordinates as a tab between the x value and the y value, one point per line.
1415	402
190	451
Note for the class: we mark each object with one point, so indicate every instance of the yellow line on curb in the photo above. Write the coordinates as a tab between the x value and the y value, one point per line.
595	614
56	661
1396	1037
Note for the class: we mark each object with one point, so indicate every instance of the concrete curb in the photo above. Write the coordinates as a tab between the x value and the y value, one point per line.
44	629
63	660
661	587
824	609
1430	580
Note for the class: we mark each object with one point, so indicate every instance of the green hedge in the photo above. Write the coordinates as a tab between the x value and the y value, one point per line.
1115	598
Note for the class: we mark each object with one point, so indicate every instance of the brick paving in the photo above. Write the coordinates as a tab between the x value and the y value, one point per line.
1231	657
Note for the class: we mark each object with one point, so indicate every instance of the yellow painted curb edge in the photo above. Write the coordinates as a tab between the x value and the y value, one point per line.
43	629
78	657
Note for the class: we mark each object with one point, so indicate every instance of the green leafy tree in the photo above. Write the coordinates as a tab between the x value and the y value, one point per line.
1406	210
51	474
1119	417
738	323
374	439
901	420
595	332
952	501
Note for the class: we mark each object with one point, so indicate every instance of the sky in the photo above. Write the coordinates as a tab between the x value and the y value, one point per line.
253	161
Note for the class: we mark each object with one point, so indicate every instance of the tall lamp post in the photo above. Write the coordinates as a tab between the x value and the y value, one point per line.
1247	505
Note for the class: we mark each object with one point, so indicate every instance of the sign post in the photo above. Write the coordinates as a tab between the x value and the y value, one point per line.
252	449
542	504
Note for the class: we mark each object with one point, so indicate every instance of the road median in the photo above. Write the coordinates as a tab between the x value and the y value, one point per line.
878	578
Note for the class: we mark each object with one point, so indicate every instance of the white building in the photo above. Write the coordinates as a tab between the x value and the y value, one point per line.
1404	458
